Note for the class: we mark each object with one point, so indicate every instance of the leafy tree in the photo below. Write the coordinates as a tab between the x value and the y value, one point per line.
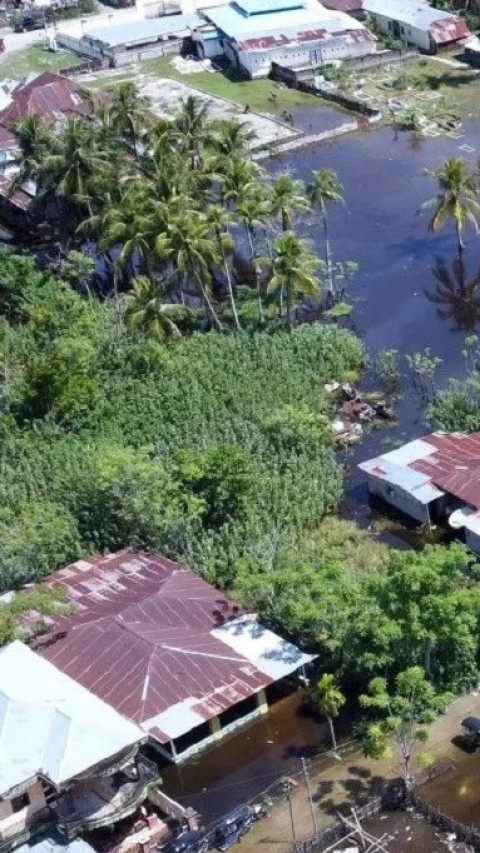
401	715
329	700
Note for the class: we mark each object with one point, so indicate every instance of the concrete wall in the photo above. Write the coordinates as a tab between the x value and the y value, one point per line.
258	63
12	822
412	35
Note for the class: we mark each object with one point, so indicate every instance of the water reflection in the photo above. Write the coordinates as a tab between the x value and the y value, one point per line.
456	293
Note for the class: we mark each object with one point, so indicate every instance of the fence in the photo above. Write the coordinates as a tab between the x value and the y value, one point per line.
292	78
468	834
379	60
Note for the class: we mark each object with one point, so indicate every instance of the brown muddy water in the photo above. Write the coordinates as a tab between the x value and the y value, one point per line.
407	832
247	762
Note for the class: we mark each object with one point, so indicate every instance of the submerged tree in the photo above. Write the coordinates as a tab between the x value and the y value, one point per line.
326	189
330	701
456	198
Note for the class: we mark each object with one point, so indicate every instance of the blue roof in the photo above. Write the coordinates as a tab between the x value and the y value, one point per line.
260	7
149	30
236	25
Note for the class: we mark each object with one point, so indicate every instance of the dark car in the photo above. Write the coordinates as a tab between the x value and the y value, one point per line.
194	841
233	826
471	728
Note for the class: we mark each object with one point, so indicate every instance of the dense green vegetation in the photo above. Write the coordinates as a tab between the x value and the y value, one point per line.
206	447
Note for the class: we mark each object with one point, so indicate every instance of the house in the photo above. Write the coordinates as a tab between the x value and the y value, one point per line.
68	761
47	95
254	33
165	649
434	478
124	43
350	7
417	23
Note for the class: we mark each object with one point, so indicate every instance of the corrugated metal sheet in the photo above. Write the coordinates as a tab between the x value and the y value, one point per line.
144	639
347	6
414	13
144	32
448	461
55	843
47	94
282	26
449	30
260	7
50	725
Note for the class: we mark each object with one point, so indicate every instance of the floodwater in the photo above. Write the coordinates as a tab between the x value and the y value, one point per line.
318	120
249	761
383	228
406	832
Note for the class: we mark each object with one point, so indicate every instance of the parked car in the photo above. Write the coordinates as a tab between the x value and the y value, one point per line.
194	841
233	826
471	729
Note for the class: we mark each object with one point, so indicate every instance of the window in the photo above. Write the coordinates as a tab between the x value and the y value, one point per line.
19	803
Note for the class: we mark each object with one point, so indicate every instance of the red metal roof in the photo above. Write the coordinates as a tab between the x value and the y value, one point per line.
140	638
454	467
267	42
343	5
47	94
19	198
8	140
449	30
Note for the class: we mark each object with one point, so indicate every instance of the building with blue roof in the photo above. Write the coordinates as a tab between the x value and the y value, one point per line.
254	33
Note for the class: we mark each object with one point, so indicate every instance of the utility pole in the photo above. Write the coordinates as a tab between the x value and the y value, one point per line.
310	798
287	787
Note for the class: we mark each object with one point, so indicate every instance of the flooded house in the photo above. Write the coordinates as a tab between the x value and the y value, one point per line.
165	649
432	479
68	761
417	23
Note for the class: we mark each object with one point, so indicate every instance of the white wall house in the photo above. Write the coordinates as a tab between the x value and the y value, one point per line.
417	23
255	33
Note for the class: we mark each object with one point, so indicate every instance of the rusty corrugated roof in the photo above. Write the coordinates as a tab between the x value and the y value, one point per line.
449	30
144	637
47	94
454	467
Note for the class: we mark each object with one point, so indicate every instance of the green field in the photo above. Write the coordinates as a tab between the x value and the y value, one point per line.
21	63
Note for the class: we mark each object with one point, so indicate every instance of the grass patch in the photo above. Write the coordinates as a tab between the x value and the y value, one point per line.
253	93
23	62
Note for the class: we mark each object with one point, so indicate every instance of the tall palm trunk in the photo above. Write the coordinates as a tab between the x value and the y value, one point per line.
328	252
256	271
332	733
208	302
226	269
289	294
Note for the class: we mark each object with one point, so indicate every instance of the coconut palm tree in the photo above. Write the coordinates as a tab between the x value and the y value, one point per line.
294	265
253	213
456	198
288	197
145	309
189	244
326	188
240	179
75	166
191	127
230	138
130	114
220	219
329	700
129	225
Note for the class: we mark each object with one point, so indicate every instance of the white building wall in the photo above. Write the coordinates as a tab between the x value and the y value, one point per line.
398	497
258	63
12	822
412	35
